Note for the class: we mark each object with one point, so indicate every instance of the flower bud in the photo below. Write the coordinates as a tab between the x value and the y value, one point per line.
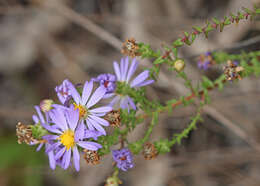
113	181
179	65
46	105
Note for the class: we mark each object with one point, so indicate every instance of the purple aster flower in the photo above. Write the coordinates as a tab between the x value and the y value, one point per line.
85	105
204	65
205	61
69	134
108	81
123	159
124	74
63	91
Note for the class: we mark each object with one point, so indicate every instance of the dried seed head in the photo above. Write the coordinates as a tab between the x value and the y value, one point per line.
113	117
130	48
24	134
149	151
91	157
232	71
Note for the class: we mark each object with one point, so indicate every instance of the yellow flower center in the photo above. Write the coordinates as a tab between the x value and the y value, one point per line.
67	139
82	110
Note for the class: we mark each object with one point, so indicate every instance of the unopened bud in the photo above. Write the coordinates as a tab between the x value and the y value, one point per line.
46	105
113	181
179	65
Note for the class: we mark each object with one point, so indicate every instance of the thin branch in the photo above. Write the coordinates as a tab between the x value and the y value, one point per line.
84	23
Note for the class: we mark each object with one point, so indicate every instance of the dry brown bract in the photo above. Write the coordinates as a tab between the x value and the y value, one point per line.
24	134
91	157
113	117
232	71
130	48
149	151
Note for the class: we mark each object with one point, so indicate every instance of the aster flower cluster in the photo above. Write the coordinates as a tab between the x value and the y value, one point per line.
73	126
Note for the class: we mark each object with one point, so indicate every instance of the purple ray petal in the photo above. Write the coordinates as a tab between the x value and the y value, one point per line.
92	134
96	126
80	131
72	118
101	109
52	161
60	153
47	117
51	128
122	64
67	156
74	93
35	119
100	120
76	158
62	107
87	89
97	96
140	78
90	126
125	67
99	114
58	117
117	71
39	147
144	83
52	147
38	110
89	145
124	103
50	137
131	102
108	95
114	100
132	69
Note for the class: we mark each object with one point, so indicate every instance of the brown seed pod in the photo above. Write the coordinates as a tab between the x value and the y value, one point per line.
130	48
24	134
149	151
232	71
91	157
113	117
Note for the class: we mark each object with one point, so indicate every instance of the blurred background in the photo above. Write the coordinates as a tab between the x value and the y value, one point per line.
44	42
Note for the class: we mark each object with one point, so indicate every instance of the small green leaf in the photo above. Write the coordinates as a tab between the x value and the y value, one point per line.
159	60
216	21
175	52
197	28
177	43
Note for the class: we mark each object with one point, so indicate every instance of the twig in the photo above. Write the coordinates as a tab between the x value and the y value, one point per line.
84	22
